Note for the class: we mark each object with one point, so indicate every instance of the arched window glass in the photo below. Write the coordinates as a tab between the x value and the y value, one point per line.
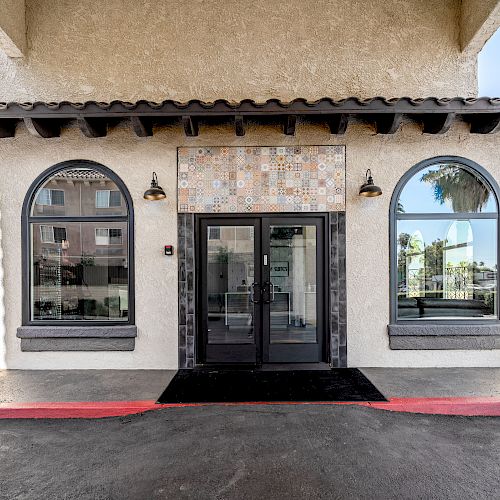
445	252
446	188
78	242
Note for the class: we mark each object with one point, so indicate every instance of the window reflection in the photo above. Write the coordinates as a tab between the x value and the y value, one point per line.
78	192
447	269
79	277
79	233
446	188
446	219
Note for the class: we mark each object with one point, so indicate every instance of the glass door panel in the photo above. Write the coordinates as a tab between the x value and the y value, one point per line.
230	274
293	289
292	268
230	292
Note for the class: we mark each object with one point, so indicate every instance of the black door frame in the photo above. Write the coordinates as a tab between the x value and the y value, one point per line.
290	353
323	270
240	353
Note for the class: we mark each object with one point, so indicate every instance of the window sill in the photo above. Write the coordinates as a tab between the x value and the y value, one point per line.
77	338
444	337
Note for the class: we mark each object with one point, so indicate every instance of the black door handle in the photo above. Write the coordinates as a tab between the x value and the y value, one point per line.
268	292
255	293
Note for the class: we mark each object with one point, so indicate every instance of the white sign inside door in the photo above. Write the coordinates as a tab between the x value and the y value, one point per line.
279	269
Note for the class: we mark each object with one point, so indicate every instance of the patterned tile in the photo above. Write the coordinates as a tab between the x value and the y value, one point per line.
261	179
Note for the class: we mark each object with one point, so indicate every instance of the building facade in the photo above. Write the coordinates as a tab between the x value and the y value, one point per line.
260	123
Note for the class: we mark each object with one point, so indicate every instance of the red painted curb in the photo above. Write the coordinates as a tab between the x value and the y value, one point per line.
78	409
468	406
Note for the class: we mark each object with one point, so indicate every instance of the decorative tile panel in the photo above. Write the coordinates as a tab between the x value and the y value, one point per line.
261	179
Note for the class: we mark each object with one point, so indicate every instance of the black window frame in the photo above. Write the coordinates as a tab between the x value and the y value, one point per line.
27	219
478	171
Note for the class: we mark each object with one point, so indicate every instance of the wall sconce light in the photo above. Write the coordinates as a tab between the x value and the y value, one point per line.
369	189
155	192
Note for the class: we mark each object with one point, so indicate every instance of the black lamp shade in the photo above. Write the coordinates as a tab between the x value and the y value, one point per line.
368	189
155	192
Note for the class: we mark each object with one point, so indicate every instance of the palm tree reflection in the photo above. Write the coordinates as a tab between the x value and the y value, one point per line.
455	185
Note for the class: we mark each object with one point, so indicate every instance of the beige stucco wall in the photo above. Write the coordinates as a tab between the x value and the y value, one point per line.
204	49
12	27
24	157
368	238
479	19
133	159
208	49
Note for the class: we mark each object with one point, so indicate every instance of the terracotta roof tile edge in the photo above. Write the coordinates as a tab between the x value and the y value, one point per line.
234	105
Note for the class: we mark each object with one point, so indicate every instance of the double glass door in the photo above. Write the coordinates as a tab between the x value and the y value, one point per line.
262	290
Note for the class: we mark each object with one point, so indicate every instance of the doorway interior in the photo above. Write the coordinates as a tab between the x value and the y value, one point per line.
262	289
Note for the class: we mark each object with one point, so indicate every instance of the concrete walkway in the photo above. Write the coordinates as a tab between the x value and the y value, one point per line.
97	393
435	382
26	386
31	386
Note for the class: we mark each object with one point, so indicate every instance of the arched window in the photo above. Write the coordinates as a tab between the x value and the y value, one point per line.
78	247
444	243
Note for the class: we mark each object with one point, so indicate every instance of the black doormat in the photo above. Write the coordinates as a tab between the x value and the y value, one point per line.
251	386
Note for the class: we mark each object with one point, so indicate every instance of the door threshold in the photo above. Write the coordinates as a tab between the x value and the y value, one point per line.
294	366
268	367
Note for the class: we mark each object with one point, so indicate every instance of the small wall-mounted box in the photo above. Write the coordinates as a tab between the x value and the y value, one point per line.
169	249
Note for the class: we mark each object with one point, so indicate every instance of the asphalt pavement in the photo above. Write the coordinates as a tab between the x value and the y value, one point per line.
252	452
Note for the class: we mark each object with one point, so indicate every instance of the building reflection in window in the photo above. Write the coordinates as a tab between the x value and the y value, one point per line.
79	250
446	226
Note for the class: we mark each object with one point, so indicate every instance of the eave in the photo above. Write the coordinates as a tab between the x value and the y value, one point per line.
46	119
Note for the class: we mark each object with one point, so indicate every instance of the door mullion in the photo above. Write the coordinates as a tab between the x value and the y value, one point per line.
257	224
265	266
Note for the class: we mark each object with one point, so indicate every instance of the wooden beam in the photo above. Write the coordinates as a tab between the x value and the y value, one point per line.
93	127
484	124
143	127
7	128
190	126
239	125
437	123
338	123
290	124
388	123
42	127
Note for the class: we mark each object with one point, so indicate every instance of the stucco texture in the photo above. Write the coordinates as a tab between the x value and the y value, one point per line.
133	159
208	49
368	238
479	19
13	27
